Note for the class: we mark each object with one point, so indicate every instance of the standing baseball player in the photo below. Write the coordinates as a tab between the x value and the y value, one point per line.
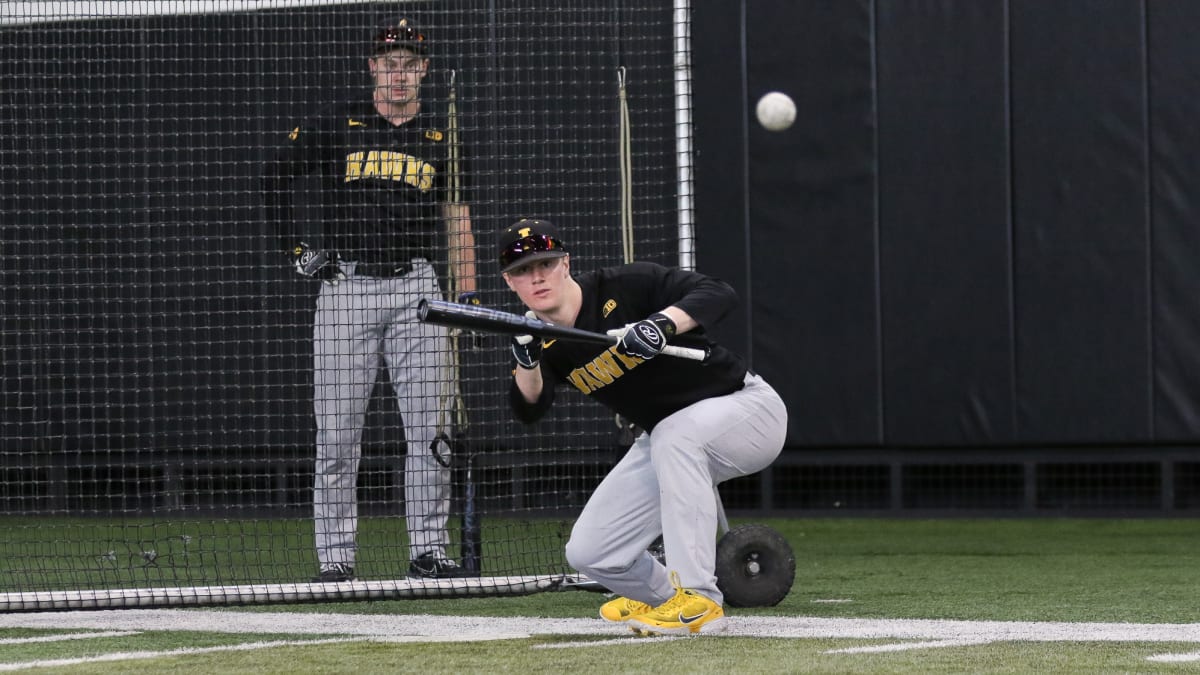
704	422
383	168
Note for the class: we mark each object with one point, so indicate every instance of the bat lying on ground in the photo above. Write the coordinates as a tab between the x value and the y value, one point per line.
489	320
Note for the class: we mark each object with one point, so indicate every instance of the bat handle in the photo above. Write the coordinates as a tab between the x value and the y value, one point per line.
686	352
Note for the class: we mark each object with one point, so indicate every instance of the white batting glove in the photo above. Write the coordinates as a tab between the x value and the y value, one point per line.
526	350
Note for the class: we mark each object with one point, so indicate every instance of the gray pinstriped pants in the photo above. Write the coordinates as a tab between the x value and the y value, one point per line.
361	324
664	485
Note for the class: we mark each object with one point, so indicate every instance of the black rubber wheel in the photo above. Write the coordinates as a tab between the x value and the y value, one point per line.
755	566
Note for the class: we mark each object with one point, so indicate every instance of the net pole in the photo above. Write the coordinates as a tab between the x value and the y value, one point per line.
681	28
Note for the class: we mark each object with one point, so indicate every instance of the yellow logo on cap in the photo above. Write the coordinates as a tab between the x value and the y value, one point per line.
609	306
434	135
524	232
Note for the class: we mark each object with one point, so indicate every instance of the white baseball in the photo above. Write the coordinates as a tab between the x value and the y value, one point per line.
776	111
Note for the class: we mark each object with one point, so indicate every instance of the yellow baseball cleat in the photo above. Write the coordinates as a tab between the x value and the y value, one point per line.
688	613
622	610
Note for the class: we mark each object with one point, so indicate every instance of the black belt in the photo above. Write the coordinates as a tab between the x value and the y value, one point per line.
382	270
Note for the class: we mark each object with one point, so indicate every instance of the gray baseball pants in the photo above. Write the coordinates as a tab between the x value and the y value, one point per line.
362	323
665	485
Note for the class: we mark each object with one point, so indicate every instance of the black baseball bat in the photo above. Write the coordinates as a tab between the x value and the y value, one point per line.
472	540
489	320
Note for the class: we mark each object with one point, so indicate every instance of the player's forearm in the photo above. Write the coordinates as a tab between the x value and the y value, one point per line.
461	242
529	382
526	409
683	321
462	262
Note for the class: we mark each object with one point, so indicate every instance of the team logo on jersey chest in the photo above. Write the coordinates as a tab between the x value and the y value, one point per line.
390	165
603	370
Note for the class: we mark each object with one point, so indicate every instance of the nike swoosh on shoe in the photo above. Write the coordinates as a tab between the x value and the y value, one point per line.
690	619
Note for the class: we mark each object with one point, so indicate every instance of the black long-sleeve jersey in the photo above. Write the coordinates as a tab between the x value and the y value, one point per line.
381	184
641	391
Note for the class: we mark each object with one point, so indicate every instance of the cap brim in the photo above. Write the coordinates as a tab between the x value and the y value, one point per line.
533	257
414	47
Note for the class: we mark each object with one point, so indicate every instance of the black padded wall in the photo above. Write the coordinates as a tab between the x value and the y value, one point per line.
981	228
796	229
944	221
813	253
1080	221
1174	94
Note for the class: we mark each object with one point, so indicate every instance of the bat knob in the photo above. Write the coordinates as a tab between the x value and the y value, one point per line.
423	309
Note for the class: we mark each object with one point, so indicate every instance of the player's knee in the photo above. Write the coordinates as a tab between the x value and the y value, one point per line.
584	555
580	555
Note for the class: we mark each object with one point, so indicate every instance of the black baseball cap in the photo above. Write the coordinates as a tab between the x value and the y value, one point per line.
527	240
396	33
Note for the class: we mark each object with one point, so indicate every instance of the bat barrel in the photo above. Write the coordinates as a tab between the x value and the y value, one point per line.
474	317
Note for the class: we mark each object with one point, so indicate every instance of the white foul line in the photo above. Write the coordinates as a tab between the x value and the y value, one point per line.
1174	658
631	640
905	646
122	656
68	636
471	628
923	634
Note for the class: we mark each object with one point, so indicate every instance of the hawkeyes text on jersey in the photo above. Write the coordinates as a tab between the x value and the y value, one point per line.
389	165
602	370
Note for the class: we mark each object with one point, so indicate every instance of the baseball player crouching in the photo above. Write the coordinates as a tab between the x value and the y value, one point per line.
704	423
